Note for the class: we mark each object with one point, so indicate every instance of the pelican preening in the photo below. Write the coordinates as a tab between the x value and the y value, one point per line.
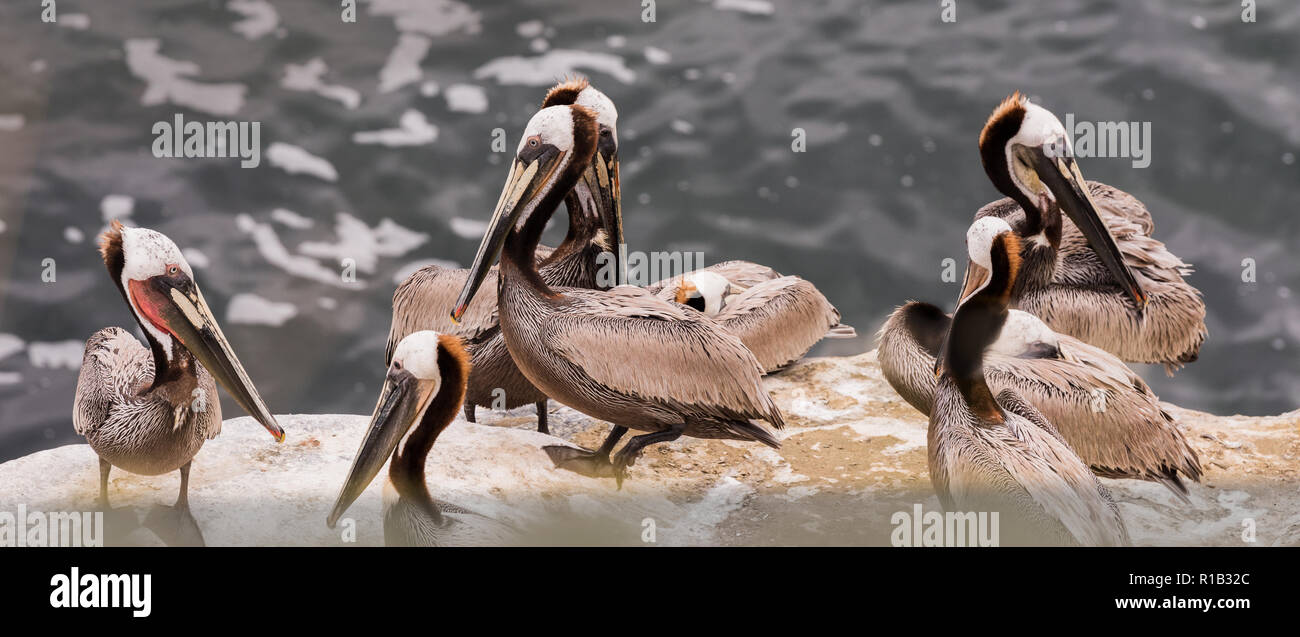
1098	275
621	355
422	392
148	411
778	319
998	453
595	226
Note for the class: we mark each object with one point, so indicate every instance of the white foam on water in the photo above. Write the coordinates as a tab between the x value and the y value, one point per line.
73	234
260	18
272	249
292	219
309	78
364	244
12	121
466	98
543	69
403	64
167	81
530	29
196	257
755	7
413	130
116	207
10	345
10	378
295	160
251	309
57	354
468	228
75	21
408	269
655	55
430	17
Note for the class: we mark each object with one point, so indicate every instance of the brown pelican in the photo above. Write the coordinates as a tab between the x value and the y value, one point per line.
621	355
595	227
148	411
1000	454
778	319
425	385
1107	414
1097	276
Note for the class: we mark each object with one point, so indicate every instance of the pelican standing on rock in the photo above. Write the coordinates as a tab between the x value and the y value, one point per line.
1105	411
1098	277
778	319
621	355
149	411
595	227
423	389
990	453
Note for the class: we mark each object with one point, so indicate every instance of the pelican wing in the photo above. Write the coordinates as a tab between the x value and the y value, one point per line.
425	299
1112	418
742	273
779	320
632	342
1048	469
115	366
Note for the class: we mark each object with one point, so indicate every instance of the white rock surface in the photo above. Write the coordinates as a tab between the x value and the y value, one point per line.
853	455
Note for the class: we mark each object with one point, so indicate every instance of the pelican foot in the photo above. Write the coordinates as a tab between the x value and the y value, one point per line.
592	464
174	525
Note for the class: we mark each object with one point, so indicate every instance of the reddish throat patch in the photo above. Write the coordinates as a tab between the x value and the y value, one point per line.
149	303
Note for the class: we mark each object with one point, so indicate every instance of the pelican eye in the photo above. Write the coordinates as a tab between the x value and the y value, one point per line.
173	270
533	142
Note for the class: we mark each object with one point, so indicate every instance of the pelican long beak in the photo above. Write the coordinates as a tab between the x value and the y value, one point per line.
402	402
605	169
177	305
976	277
1061	175
525	185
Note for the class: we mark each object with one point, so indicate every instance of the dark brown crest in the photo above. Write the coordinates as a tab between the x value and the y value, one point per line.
566	92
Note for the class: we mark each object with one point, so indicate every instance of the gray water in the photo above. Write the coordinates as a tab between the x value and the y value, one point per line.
891	99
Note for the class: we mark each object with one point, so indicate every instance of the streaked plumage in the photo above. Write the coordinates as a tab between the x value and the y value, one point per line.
779	319
620	355
149	411
1106	282
423	301
998	453
423	390
1104	411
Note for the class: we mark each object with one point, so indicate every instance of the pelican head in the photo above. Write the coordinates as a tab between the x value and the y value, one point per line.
1029	157
980	315
158	285
706	291
425	384
599	183
557	146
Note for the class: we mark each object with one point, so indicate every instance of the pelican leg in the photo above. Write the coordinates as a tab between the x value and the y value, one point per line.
541	418
593	464
183	500
627	456
175	525
469	411
104	468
